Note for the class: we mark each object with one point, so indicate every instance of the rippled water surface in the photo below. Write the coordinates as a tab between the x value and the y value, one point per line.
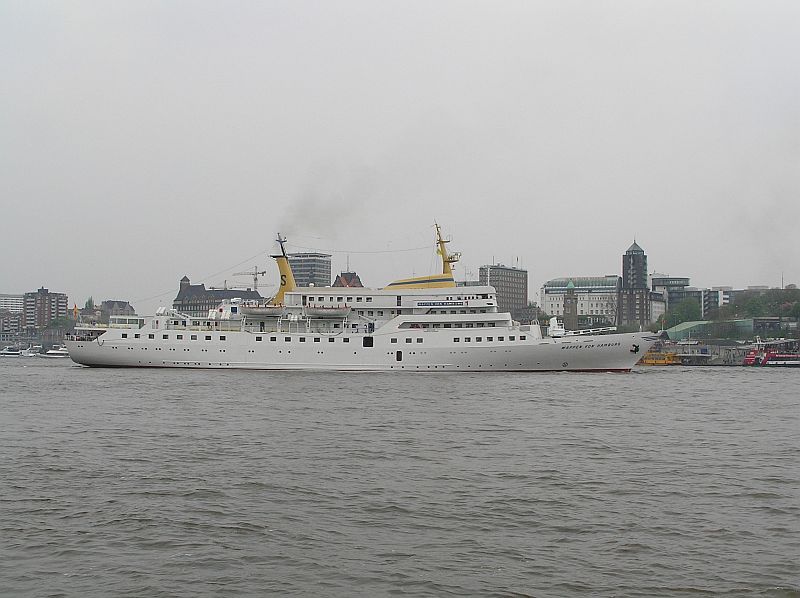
663	482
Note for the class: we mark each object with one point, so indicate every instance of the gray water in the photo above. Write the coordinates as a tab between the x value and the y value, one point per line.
662	482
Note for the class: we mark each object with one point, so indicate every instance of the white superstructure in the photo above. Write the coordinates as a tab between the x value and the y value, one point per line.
413	324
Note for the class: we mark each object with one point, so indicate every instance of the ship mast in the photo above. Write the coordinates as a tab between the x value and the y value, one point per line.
447	258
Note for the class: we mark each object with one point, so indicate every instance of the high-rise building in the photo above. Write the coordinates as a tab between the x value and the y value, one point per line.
311	269
42	307
634	296
511	285
12	303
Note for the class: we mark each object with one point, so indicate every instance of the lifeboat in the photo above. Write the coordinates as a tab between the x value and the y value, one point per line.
262	310
327	311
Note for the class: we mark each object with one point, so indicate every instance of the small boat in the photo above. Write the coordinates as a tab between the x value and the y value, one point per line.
10	352
776	353
56	351
262	310
31	351
327	311
660	358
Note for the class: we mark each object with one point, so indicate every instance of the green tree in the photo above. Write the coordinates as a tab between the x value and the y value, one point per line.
89	303
687	310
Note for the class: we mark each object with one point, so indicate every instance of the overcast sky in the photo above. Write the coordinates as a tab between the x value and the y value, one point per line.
141	141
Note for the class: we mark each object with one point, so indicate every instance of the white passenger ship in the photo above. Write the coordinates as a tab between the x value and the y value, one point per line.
416	324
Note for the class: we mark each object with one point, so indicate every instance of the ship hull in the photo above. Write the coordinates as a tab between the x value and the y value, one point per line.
426	351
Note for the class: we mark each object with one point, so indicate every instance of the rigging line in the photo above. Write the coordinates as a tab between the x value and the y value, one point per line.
202	278
333	251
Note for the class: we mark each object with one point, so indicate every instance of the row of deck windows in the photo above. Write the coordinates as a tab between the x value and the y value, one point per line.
340	299
489	339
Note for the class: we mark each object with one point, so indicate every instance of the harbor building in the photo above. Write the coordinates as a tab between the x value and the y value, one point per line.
596	298
311	269
10	325
634	295
511	285
12	303
41	307
347	279
114	307
196	300
676	289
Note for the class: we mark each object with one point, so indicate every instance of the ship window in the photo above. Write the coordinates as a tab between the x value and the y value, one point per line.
331	339
394	340
478	339
456	340
272	339
368	341
316	339
208	337
135	336
359	299
489	339
447	325
339	299
349	299
380	313
345	340
222	338
512	338
194	337
408	340
259	339
165	336
302	339
287	339
522	338
419	340
370	313
501	338
124	335
369	299
399	300
467	339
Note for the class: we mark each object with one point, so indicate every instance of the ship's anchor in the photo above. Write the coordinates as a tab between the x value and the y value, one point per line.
635	349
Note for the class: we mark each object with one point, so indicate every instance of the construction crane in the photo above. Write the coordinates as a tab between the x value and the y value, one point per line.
255	273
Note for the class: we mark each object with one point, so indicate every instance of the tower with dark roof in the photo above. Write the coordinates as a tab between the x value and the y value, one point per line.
634	300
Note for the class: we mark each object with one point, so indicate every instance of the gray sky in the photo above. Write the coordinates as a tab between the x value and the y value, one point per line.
141	141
